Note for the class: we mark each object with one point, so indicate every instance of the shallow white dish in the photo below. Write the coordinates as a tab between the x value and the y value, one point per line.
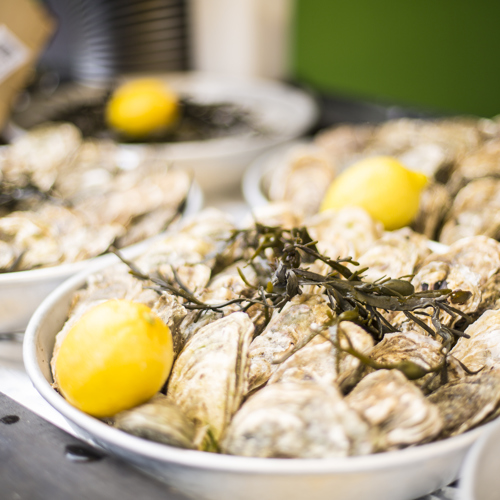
400	475
22	292
218	164
480	479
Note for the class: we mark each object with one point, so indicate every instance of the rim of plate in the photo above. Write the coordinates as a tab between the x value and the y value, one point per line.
103	433
469	470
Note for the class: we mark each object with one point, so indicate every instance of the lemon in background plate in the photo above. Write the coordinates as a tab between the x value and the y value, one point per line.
381	185
116	356
142	107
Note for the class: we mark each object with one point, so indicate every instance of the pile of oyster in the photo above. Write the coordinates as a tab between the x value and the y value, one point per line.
460	156
286	384
65	199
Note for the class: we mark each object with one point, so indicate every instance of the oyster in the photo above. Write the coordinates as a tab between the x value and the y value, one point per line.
349	225
482	350
435	202
300	320
490	295
395	254
433	146
282	214
302	177
394	349
475	211
297	420
67	200
396	408
440	275
195	241
172	313
484	162
207	396
344	143
157	420
467	402
319	360
479	253
36	156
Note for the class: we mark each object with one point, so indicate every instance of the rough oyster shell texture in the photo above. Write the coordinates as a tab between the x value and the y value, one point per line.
77	198
460	156
285	388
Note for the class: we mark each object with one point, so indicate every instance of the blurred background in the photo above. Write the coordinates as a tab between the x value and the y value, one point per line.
363	60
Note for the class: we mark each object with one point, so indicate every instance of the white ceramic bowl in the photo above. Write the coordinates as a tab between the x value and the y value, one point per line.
22	292
480	478
218	164
399	475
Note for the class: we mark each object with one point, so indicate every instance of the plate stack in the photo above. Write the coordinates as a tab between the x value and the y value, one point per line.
98	39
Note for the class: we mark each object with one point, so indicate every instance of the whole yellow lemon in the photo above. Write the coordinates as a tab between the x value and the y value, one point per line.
381	185
116	356
141	107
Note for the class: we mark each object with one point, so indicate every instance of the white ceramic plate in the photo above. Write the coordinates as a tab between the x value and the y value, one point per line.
401	475
22	292
218	164
480	479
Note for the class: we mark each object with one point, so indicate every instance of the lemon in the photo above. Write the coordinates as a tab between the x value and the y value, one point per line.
381	185
141	107
116	356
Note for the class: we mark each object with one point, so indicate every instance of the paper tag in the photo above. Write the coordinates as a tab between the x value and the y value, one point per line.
13	52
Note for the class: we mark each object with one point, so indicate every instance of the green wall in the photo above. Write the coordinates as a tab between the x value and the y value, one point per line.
441	55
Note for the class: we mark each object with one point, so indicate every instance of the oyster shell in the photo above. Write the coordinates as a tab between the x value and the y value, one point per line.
393	349
475	211
344	143
440	275
395	254
467	402
350	225
435	201
302	177
485	162
274	214
288	331
432	146
172	313
297	420
479	253
319	360
157	420
482	350
490	295
396	408
195	241
37	155
208	377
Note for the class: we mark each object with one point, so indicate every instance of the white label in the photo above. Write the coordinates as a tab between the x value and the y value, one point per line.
13	52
